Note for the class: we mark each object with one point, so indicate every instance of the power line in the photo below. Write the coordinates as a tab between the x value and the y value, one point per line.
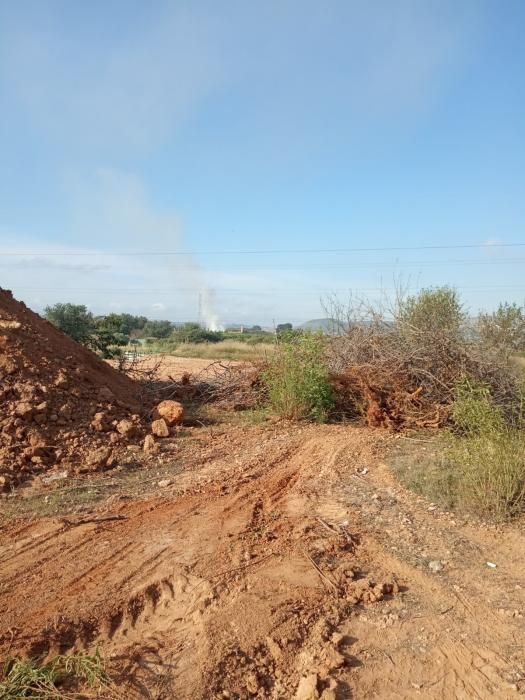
284	290
324	266
282	251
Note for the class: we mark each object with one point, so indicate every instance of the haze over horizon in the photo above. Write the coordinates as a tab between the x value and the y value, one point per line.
271	152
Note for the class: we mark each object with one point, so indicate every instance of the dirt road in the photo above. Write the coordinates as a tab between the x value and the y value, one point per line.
282	562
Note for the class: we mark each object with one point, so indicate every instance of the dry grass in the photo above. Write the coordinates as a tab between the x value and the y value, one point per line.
52	680
479	467
225	350
519	361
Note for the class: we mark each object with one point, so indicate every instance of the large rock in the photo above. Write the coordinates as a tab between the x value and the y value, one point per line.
171	411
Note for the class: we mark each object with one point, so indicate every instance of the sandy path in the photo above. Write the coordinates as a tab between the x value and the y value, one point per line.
275	567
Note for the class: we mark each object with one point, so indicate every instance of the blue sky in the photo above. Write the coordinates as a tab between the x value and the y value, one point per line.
199	127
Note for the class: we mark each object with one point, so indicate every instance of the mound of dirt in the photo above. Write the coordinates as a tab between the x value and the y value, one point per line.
60	404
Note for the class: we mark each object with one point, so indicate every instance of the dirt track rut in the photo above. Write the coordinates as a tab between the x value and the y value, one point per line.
290	560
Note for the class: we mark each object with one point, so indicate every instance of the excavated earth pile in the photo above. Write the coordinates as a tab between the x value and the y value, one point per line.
60	404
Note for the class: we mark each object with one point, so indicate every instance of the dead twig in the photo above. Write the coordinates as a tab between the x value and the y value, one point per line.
321	573
86	521
243	566
327	526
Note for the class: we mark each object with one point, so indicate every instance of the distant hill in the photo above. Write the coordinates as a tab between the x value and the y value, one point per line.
326	325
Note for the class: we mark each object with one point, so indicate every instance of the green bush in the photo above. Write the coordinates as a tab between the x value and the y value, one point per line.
479	465
503	328
433	310
296	379
489	469
473	411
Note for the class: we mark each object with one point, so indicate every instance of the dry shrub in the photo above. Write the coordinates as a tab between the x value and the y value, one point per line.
398	365
231	386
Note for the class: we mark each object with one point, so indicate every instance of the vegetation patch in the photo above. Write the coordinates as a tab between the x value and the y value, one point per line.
223	350
478	466
54	679
296	379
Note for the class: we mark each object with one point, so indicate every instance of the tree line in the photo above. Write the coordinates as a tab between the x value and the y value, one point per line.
106	334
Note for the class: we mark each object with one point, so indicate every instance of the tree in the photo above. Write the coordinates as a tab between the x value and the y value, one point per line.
73	319
157	329
77	322
504	327
121	323
433	310
194	333
284	327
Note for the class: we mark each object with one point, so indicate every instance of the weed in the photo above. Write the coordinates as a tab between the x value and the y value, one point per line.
477	467
473	411
489	470
296	379
28	678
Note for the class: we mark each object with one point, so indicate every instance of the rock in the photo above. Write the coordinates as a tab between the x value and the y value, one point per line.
163	483
333	658
24	409
328	694
435	566
307	688
35	439
160	428
61	381
171	411
127	428
252	684
9	365
101	422
65	411
149	444
4	482
274	648
99	458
